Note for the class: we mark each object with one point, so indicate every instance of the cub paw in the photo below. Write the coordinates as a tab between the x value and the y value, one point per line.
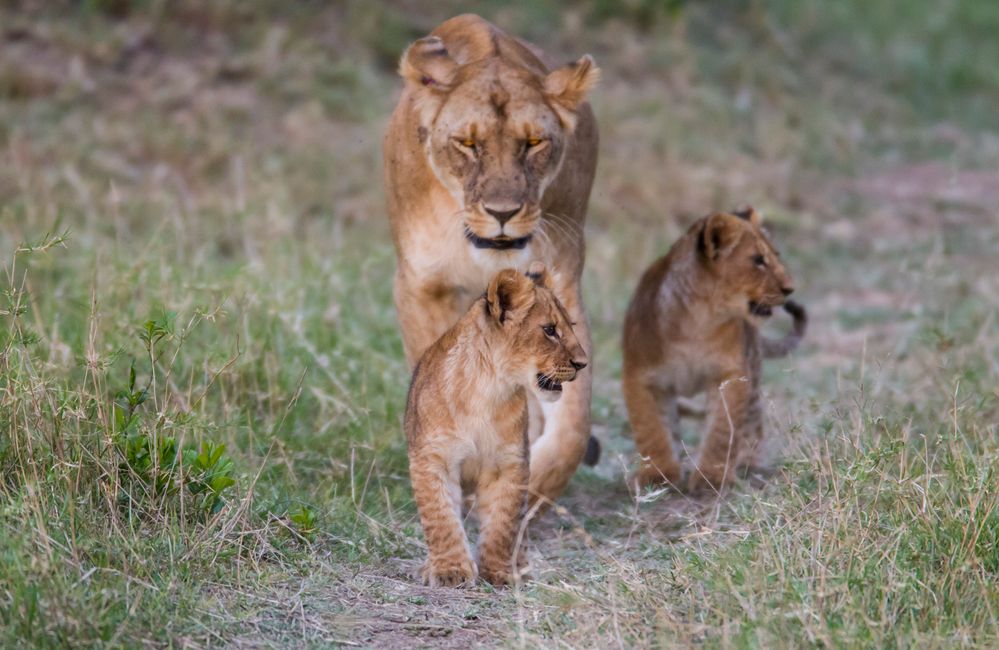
502	575
499	573
705	482
498	577
448	573
652	476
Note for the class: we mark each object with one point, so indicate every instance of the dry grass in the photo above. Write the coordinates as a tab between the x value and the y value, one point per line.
221	163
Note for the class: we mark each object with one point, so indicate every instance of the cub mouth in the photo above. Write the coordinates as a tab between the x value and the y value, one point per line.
497	243
759	309
548	383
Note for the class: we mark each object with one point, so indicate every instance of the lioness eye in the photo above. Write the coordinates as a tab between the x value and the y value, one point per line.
549	330
533	142
759	261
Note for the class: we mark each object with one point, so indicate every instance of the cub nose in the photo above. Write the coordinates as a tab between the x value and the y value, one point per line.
503	213
787	291
578	365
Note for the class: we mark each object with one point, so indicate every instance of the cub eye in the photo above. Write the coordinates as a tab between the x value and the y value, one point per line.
549	330
468	143
759	261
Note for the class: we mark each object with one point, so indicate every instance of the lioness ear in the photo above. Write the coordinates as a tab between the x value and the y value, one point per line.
426	62
540	275
508	294
567	86
750	214
718	236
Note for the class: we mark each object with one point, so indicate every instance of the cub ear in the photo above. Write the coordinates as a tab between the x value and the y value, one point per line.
426	62
540	275
567	86
508	294
718	237
750	214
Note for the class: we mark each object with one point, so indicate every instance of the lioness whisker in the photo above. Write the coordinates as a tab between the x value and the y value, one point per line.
568	229
558	229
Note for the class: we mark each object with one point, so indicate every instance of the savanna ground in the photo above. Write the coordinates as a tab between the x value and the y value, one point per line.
193	191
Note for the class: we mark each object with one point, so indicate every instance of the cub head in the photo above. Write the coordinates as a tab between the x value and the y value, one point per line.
538	343
751	278
495	134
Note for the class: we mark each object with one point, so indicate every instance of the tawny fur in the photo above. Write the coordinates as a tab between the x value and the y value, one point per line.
692	327
466	422
484	124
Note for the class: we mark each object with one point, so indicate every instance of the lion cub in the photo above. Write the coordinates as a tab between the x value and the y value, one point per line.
692	327
466	421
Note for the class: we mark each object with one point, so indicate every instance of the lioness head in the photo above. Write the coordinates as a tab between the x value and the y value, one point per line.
751	278
539	345
494	133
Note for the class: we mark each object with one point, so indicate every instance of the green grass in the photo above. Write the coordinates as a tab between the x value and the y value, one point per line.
194	192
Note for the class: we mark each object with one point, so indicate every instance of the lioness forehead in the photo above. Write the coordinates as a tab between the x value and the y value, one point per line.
491	101
492	114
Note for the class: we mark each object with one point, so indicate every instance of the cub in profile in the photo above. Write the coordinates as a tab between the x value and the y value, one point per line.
466	421
692	327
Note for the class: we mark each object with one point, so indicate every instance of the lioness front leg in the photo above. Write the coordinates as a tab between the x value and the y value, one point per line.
722	448
557	452
438	500
501	500
425	311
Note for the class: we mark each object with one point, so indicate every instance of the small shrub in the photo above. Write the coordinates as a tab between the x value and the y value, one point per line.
156	466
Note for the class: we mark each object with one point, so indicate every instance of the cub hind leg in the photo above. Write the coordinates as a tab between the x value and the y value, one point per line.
723	450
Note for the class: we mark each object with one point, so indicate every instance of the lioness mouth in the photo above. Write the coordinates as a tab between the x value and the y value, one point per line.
759	309
499	243
547	383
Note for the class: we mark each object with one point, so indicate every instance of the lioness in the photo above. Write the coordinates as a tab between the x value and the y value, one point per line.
692	327
489	159
466	420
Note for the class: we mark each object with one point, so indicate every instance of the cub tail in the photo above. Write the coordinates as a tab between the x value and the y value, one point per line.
773	348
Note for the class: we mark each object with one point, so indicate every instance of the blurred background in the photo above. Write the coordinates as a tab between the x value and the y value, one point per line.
191	205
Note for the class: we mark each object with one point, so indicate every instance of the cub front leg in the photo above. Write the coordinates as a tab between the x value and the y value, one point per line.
438	500
729	404
501	500
653	440
425	311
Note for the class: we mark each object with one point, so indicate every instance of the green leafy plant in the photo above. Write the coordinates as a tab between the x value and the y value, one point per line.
153	461
304	519
209	473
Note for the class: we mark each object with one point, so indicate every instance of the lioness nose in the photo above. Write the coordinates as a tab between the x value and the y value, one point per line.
578	365
503	213
787	291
